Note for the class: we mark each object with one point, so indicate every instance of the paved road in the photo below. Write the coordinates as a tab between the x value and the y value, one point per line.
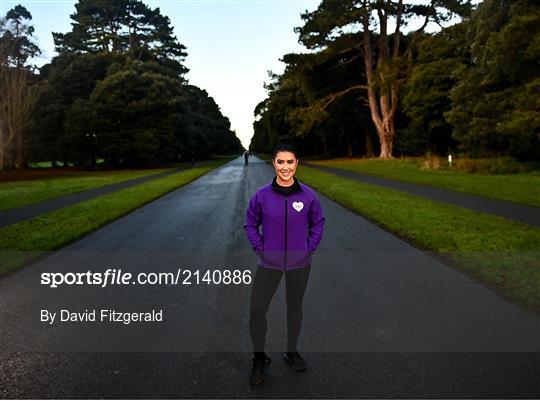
509	210
15	215
381	318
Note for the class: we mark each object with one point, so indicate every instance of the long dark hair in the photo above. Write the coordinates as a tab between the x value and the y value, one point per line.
285	144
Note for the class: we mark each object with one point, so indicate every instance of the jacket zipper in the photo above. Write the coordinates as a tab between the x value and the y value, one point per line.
285	265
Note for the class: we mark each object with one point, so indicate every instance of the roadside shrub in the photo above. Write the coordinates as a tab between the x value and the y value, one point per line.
496	165
429	162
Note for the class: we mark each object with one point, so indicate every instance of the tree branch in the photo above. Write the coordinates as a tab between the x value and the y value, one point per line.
416	33
345	63
396	32
334	96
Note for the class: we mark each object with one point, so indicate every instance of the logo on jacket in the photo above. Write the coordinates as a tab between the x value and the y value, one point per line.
298	206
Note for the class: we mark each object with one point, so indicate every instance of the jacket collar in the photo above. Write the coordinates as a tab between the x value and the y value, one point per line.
295	186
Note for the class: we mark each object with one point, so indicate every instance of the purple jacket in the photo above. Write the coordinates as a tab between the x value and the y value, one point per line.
292	226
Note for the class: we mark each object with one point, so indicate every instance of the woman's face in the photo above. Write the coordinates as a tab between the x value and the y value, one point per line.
285	164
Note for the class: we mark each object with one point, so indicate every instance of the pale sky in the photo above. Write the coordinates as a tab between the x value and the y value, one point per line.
231	44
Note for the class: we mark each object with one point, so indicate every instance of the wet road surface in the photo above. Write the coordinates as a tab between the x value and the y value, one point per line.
381	318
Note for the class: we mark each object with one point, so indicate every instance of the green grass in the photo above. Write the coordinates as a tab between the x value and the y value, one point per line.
520	188
502	254
27	240
20	193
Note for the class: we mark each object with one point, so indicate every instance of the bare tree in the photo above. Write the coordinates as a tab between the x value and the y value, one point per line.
17	97
17	91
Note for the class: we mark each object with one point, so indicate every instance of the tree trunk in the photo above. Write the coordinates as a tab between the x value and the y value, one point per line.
65	158
19	161
325	147
369	143
16	100
386	137
383	103
1	156
386	148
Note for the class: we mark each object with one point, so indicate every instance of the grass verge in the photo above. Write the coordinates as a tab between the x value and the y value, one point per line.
520	188
502	254
21	193
25	241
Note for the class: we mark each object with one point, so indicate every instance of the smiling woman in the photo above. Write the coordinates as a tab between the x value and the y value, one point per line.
292	227
285	166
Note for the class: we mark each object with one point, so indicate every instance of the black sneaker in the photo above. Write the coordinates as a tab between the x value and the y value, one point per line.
296	361
259	367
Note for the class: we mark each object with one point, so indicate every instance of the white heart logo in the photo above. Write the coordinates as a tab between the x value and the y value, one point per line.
298	206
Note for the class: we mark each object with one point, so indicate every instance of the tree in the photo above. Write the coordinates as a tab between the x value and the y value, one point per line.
68	81
495	102
426	95
385	59
17	84
300	103
127	115
16	41
117	91
327	108
122	26
202	127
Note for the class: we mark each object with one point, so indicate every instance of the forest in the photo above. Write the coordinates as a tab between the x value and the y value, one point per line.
115	94
469	88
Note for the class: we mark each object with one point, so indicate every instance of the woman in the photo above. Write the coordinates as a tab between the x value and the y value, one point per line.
292	228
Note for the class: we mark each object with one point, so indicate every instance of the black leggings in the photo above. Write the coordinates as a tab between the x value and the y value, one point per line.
264	287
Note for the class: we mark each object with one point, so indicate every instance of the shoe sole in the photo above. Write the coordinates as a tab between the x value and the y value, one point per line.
266	365
291	364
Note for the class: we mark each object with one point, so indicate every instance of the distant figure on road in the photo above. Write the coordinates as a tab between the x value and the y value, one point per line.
246	155
292	228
